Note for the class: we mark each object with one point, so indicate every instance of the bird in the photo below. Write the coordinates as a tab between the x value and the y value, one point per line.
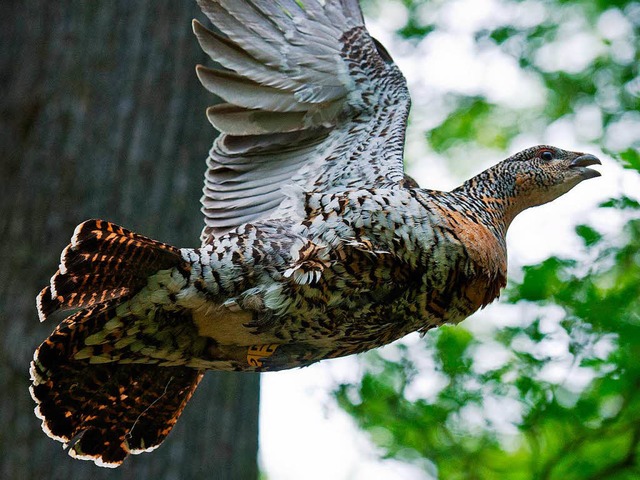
316	243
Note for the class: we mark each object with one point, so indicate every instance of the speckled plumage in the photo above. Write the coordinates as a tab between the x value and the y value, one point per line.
316	244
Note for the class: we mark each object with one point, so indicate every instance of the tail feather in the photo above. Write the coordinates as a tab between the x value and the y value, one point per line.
104	412
96	380
104	262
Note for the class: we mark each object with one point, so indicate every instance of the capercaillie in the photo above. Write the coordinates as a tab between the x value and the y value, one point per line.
316	243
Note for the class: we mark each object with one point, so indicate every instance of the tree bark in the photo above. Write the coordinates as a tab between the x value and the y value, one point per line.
101	115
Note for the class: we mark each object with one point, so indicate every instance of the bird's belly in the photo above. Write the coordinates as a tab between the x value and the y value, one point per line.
331	316
345	330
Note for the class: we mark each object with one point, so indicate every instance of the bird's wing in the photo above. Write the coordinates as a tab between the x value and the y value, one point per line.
310	100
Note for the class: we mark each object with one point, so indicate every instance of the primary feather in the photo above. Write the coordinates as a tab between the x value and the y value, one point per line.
316	244
310	103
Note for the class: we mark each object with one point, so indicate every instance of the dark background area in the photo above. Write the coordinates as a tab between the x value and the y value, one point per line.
101	115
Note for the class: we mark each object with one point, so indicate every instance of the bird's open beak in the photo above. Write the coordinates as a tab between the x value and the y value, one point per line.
584	161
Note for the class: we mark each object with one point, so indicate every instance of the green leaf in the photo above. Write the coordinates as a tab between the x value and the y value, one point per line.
590	236
452	345
622	203
630	159
542	281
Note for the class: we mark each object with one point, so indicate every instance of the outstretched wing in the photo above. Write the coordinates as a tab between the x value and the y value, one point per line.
310	100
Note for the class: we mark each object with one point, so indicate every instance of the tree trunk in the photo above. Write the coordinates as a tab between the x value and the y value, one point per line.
101	115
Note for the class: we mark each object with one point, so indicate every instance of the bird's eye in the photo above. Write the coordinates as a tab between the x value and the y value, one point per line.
546	155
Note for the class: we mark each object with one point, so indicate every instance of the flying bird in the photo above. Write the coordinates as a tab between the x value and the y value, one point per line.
316	243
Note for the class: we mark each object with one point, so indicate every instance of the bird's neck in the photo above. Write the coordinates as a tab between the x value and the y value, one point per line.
491	195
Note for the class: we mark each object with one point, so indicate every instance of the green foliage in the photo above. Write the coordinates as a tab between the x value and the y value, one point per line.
477	119
590	236
630	159
556	393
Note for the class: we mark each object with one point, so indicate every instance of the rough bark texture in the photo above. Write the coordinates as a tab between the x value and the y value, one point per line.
101	115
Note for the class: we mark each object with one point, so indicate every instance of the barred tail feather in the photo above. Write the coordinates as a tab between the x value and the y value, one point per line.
104	262
104	412
96	389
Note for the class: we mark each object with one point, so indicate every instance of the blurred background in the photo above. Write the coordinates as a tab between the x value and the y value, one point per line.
543	384
101	116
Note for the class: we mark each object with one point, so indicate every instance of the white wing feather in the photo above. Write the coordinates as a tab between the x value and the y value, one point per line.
311	102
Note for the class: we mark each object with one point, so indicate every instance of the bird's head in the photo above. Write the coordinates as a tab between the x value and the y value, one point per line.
543	173
532	177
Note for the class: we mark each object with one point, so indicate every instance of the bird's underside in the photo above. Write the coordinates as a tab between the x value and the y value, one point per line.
316	244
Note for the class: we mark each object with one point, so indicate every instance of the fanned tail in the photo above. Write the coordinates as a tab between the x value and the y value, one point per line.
104	262
96	390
